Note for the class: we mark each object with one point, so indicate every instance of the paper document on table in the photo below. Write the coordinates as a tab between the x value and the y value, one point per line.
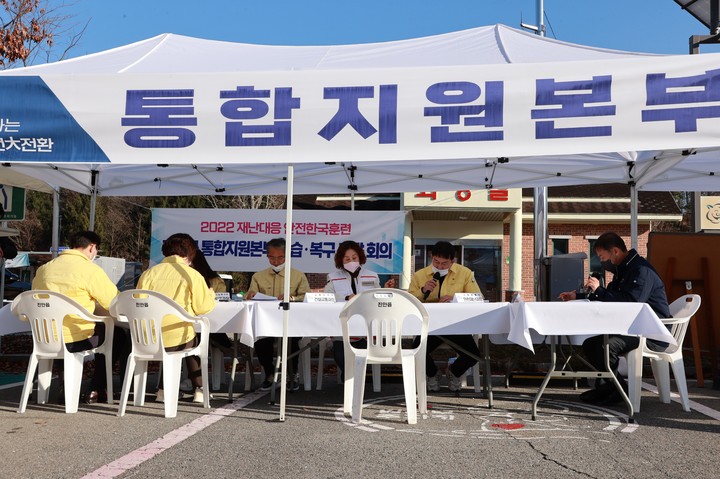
264	297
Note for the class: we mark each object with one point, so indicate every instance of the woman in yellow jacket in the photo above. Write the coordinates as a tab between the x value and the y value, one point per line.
176	279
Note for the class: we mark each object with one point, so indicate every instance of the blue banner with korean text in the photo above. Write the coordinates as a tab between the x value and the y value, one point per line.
474	111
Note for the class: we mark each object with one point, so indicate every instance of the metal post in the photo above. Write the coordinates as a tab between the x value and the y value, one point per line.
93	199
286	286
56	223
633	216
540	206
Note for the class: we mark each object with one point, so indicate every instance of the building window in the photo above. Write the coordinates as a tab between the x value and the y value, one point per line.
560	246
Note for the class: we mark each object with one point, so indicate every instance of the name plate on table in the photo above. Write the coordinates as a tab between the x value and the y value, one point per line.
468	298
319	298
223	297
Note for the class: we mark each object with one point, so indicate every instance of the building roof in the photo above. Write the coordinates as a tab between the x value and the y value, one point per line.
609	199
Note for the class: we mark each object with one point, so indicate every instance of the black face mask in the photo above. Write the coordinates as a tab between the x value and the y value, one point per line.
608	266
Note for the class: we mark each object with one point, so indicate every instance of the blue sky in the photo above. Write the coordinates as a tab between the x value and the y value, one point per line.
652	26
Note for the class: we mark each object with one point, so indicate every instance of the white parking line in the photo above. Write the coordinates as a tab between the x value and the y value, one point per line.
144	453
693	405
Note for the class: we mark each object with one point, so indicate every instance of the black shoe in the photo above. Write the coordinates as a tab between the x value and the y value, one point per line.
613	397
591	396
293	386
266	385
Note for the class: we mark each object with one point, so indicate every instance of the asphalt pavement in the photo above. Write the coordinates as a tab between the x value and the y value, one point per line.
459	437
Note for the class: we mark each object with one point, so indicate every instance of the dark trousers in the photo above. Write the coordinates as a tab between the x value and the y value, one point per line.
120	352
264	352
462	363
617	346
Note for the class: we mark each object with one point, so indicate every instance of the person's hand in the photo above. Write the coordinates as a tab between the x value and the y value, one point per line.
281	297
592	284
429	286
390	283
446	299
250	295
568	296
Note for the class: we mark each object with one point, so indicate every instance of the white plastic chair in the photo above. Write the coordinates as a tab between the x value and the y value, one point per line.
682	309
384	311
45	311
144	311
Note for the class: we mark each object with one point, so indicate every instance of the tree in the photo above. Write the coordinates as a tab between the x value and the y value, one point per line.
34	31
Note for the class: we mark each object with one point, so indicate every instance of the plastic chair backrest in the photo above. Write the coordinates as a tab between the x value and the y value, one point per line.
682	309
144	311
45	311
384	311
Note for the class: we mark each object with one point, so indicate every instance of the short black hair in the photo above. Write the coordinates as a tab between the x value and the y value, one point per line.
83	239
443	249
275	243
609	240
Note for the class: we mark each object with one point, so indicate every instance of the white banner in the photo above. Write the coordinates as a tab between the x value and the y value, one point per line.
476	111
234	240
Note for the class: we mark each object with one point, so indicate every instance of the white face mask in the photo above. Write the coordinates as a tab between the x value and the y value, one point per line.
277	269
442	272
352	266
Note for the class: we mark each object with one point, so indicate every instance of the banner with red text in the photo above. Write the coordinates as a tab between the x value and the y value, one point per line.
234	240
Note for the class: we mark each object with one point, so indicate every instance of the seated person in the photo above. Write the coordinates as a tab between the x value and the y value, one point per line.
74	274
451	278
634	281
271	281
349	279
176	279
216	283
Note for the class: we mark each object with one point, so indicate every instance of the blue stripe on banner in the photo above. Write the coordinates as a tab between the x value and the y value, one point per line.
36	127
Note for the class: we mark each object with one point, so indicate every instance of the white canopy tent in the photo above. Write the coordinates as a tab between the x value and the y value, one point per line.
481	108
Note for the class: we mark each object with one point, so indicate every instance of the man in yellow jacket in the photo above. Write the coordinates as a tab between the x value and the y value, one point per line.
438	283
271	282
74	274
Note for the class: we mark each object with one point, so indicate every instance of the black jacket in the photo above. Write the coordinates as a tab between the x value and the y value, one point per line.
635	281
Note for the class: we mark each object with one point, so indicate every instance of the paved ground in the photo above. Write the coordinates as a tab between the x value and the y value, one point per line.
460	437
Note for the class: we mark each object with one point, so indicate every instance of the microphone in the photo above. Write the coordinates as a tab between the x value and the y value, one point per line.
600	277
436	277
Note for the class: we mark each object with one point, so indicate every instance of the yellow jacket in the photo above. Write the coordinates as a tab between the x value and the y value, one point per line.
185	286
74	275
458	280
271	283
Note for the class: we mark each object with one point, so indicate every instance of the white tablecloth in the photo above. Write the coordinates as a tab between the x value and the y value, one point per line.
230	317
256	319
9	323
585	318
322	319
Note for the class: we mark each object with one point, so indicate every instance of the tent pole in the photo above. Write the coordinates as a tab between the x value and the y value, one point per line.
286	288
540	209
93	199
633	216
540	201
55	223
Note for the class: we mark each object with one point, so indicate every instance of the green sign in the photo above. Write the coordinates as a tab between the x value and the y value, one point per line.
12	200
